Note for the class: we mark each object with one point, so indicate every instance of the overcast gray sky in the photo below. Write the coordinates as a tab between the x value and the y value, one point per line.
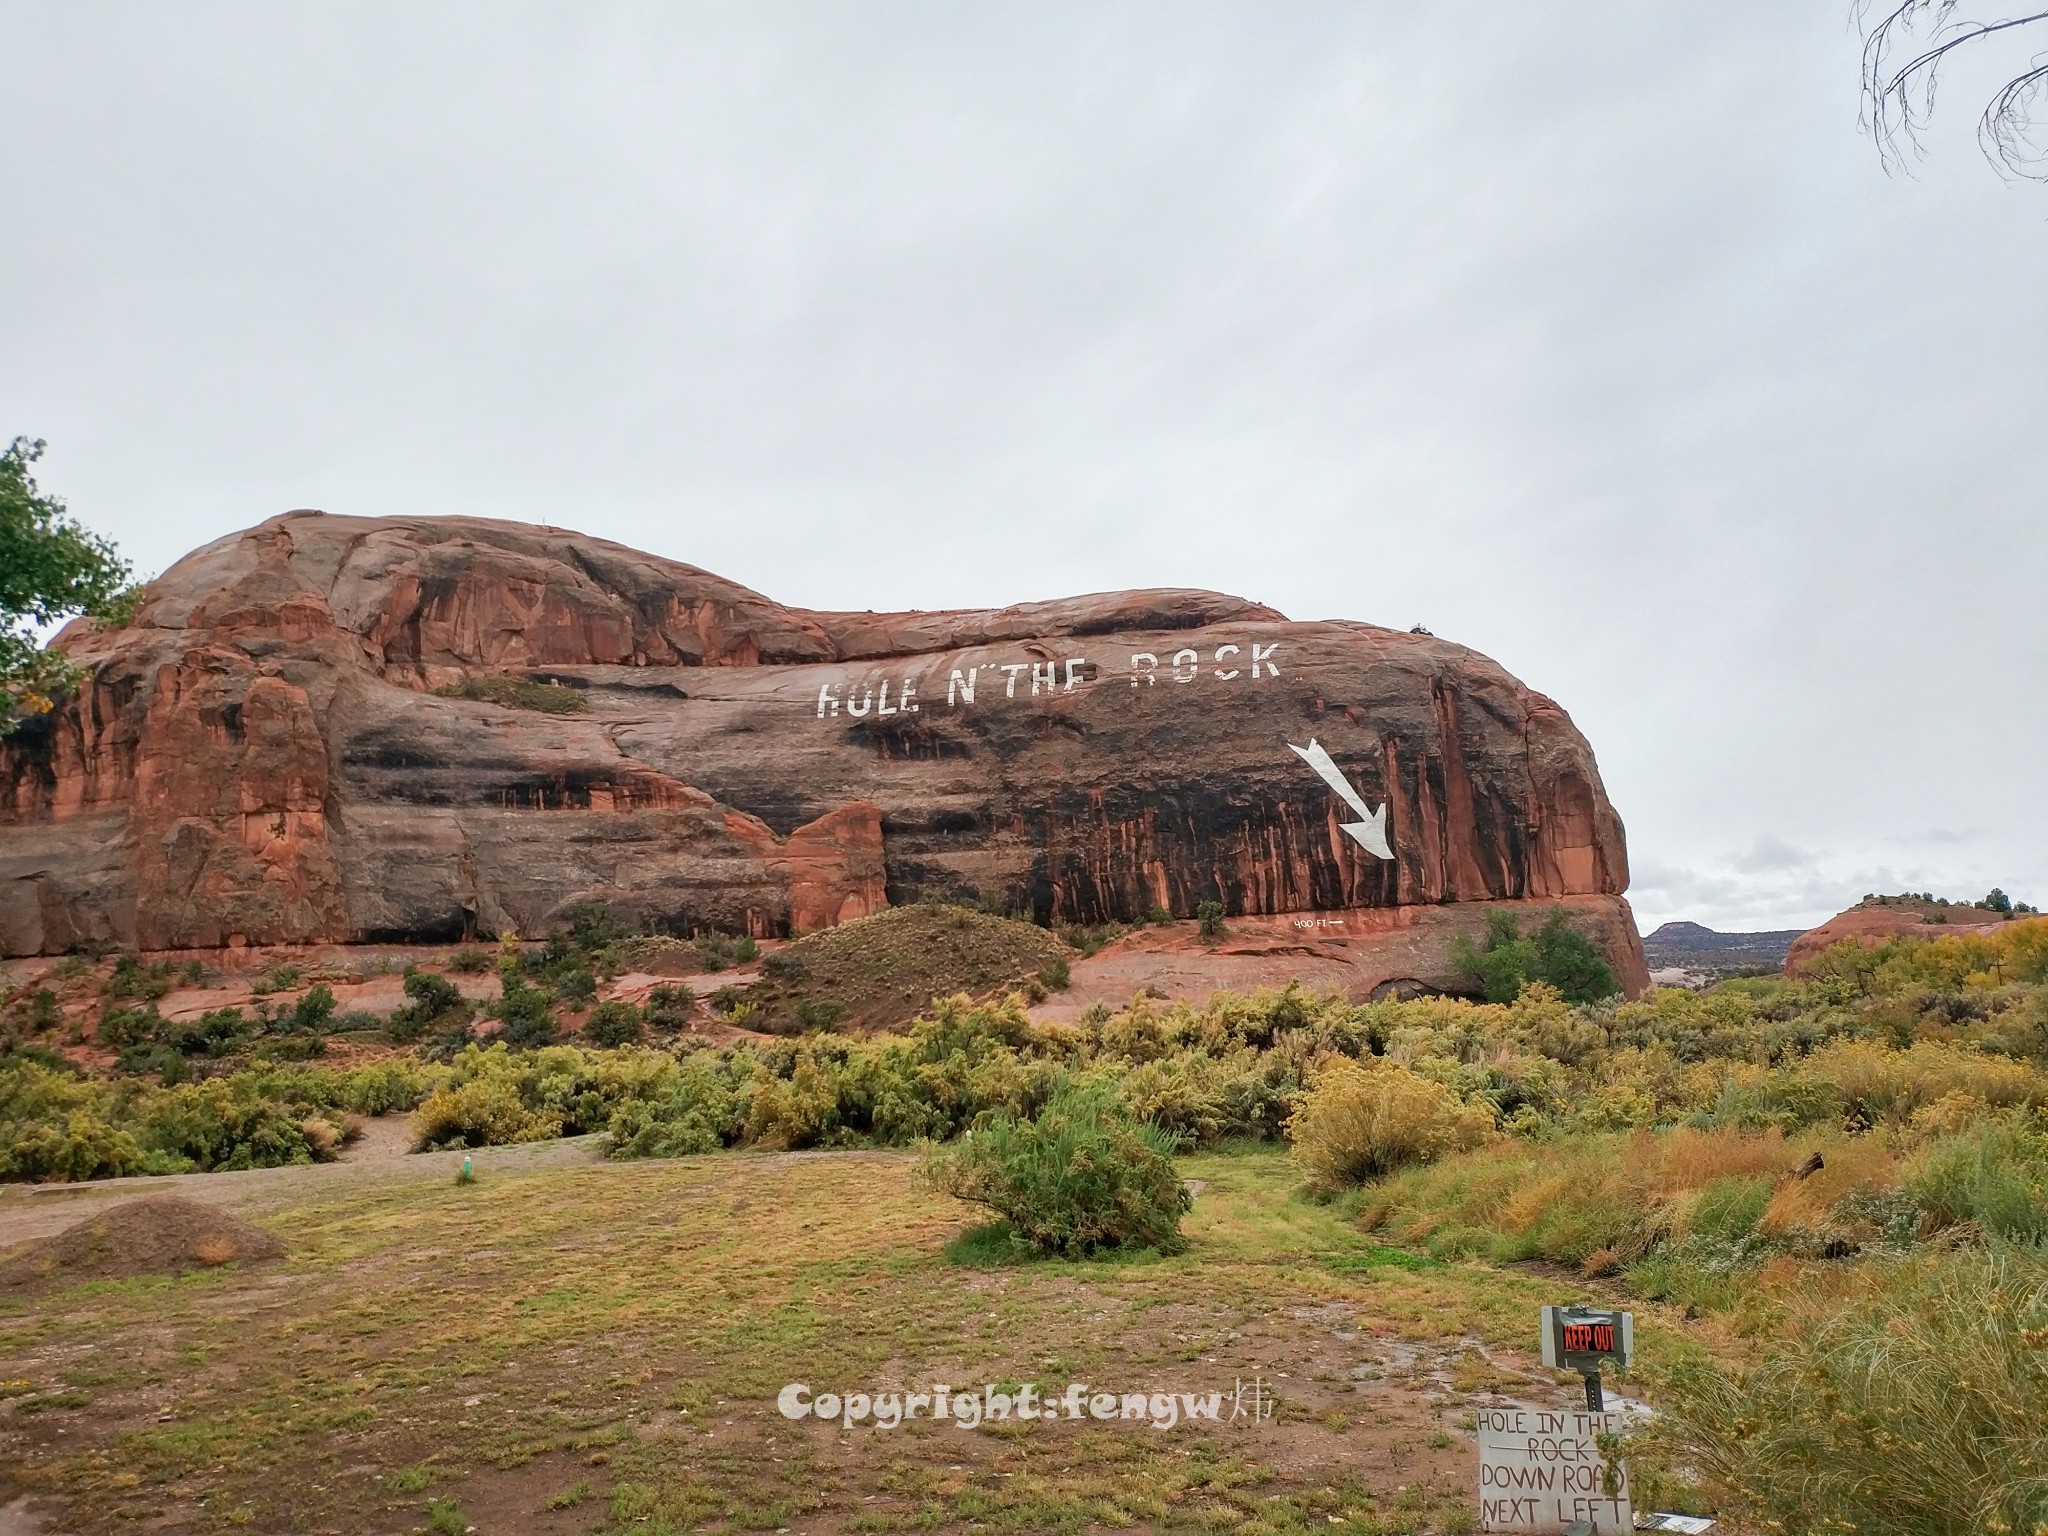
1590	335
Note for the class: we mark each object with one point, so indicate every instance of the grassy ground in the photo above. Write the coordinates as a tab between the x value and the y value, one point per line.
598	1348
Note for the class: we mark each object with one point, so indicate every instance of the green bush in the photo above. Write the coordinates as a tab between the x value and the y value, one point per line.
217	1032
213	1128
130	1026
282	977
1993	1173
516	693
132	978
1558	954
528	1016
721	951
613	1023
669	1007
1080	1176
44	1014
784	966
469	961
437	1003
1209	915
817	1014
311	1013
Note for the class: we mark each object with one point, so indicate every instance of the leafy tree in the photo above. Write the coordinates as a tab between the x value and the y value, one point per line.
1997	901
50	568
1557	953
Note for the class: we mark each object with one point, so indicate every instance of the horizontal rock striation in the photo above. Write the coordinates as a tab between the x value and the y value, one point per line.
262	757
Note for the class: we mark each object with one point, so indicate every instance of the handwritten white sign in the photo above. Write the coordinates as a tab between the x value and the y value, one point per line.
1540	1472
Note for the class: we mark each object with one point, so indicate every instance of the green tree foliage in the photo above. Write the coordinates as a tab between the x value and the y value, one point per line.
613	1022
50	569
436	1003
1557	953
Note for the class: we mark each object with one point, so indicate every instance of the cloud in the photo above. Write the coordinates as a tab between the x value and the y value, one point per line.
1552	327
1769	852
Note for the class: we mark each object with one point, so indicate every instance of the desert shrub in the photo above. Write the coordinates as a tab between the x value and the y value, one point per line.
130	1026
613	1023
516	693
799	1110
1057	973
440	1036
1078	1177
56	1125
281	977
575	987
43	1014
383	1088
1994	1172
217	1032
784	966
670	1007
1360	1120
357	1021
482	1112
721	951
729	1000
593	926
818	1013
527	1015
436	1004
1913	1409
469	961
1086	940
215	1129
132	978
1783	1101
313	1010
700	1107
1209	917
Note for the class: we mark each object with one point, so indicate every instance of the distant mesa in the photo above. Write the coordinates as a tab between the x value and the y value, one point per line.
417	729
1689	946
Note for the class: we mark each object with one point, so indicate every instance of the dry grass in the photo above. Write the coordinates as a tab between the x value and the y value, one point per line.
1360	1119
883	971
1688	1159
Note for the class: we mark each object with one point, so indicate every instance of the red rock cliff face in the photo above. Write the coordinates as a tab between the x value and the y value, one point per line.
260	756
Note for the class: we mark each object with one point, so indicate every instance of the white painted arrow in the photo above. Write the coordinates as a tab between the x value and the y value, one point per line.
1370	832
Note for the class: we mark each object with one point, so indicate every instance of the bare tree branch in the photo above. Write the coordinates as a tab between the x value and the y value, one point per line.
1898	97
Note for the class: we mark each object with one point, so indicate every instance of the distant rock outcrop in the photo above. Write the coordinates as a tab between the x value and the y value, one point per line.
1872	922
262	756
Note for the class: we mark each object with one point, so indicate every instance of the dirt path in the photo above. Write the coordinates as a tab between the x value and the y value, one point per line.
30	1211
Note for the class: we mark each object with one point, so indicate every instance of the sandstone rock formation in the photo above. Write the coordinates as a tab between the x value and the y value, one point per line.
261	756
1870	923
